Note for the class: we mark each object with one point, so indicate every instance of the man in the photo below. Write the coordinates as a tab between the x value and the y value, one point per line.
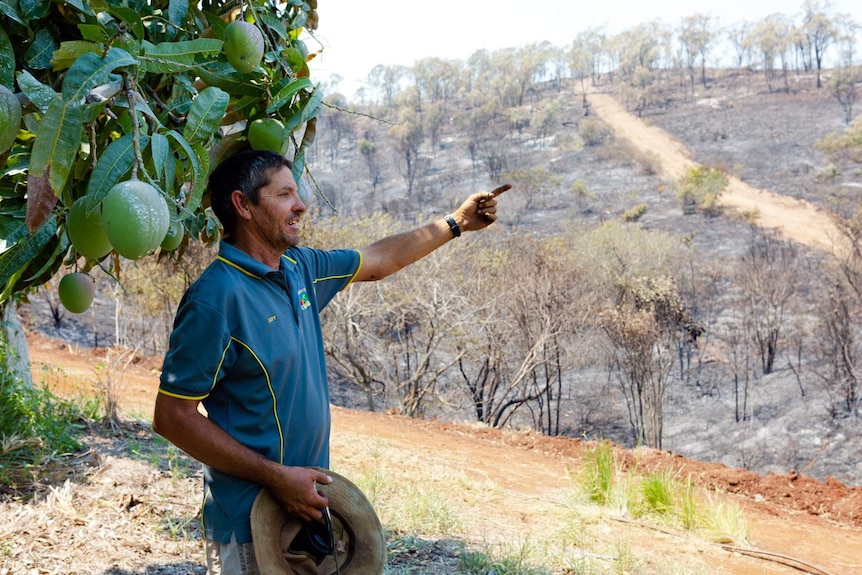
247	345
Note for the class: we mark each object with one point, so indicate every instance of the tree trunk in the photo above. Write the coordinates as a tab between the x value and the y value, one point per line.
16	359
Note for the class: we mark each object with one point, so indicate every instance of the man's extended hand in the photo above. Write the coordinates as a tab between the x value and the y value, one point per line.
479	210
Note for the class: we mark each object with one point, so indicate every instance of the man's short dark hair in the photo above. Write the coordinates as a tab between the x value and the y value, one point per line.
247	171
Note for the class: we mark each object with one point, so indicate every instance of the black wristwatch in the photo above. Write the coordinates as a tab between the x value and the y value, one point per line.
453	225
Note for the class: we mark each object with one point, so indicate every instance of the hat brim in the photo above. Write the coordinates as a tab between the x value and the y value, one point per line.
360	544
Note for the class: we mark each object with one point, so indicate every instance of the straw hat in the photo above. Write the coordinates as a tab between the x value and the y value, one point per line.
360	548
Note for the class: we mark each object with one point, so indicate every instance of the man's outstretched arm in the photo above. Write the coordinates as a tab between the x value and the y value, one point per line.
392	253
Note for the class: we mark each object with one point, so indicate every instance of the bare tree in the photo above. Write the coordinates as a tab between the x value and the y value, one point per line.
385	80
352	344
334	125
738	35
485	129
534	186
371	156
644	328
768	278
437	80
696	37
839	347
842	85
770	37
740	365
407	137
819	32
525	335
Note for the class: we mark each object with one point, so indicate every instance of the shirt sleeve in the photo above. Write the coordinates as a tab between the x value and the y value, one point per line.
198	345
333	271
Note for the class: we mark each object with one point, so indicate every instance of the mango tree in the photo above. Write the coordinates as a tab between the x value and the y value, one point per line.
95	94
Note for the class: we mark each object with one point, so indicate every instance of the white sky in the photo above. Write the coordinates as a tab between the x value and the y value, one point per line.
358	35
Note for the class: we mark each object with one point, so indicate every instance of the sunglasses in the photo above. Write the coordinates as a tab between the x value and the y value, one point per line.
316	539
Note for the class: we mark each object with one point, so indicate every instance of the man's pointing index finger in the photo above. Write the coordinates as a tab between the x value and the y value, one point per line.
500	189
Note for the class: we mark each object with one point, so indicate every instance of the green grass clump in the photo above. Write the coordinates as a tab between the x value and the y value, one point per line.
600	470
36	427
724	522
658	492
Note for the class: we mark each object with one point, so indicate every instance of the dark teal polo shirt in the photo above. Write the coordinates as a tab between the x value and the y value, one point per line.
247	342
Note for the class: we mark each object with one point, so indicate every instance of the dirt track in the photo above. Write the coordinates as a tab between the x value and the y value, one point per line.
797	220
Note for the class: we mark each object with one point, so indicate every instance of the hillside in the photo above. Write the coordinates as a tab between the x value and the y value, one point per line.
766	144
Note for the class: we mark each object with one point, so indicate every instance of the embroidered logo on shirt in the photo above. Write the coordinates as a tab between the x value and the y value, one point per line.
304	301
271	319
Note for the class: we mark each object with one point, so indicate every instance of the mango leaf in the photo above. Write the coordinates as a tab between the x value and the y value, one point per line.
38	55
285	94
221	75
7	61
298	22
91	70
14	261
34	9
197	174
12	228
198	185
274	24
21	165
11	12
68	52
159	150
81	7
309	135
308	111
114	163
205	115
298	165
168	57
41	199
177	11
169	181
40	94
131	18
57	141
244	103
45	264
94	33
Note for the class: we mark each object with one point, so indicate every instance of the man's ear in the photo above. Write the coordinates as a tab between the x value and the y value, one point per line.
240	204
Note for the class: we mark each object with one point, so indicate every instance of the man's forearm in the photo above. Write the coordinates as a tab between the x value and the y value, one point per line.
395	252
208	443
295	488
387	256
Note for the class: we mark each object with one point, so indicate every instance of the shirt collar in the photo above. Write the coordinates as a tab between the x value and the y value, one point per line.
239	259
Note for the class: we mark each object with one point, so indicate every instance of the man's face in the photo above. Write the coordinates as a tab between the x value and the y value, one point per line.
275	218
